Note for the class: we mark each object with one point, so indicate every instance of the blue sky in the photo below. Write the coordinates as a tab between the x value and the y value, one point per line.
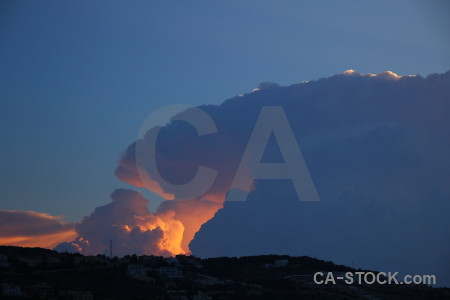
78	78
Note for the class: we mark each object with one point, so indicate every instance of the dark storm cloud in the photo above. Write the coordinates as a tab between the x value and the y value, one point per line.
377	149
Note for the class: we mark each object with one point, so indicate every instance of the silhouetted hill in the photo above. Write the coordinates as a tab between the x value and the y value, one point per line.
35	273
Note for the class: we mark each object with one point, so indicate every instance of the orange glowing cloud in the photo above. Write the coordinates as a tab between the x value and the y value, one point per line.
131	227
33	229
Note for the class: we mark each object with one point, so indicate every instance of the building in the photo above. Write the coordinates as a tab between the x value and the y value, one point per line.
136	270
146	259
209	280
10	290
173	261
201	296
43	291
139	272
170	272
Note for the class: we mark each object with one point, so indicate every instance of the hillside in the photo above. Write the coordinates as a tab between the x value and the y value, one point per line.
35	273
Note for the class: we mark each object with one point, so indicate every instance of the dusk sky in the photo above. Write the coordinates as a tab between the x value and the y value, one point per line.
78	79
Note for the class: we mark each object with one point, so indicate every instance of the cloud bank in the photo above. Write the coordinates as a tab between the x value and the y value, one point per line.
377	150
33	229
127	222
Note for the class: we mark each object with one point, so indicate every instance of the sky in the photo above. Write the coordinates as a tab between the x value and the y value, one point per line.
77	79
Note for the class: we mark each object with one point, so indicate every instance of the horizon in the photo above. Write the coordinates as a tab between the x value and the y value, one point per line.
232	129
